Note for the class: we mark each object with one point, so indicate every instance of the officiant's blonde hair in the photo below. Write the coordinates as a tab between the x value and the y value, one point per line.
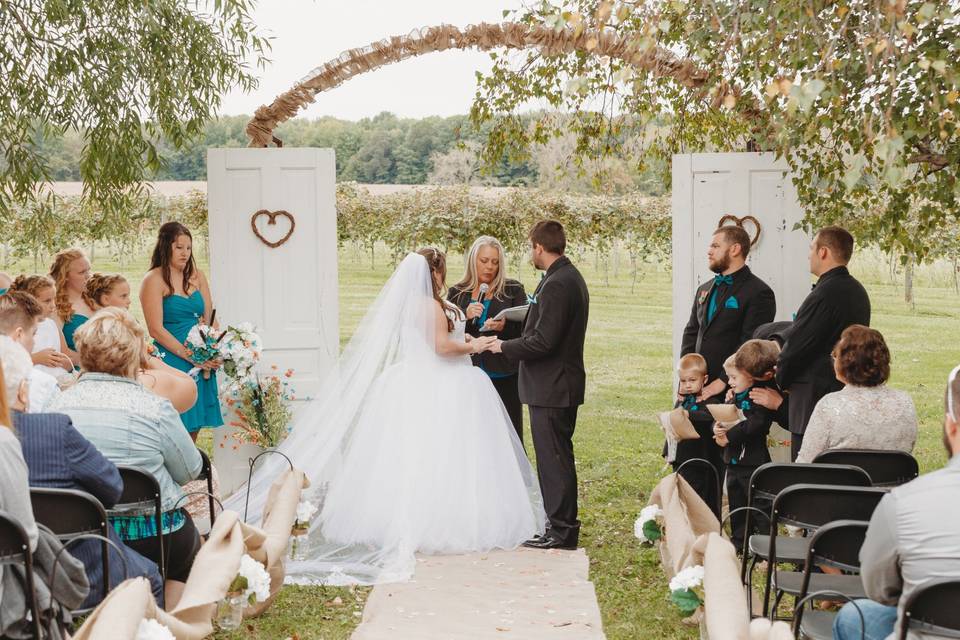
471	280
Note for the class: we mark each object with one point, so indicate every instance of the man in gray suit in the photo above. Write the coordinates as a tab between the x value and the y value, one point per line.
912	539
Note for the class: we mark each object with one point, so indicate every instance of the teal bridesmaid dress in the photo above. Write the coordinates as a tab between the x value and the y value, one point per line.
70	326
180	314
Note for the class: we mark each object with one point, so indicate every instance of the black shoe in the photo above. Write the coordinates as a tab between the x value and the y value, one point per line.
537	539
546	542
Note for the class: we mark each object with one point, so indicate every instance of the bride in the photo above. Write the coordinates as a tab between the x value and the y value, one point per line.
407	446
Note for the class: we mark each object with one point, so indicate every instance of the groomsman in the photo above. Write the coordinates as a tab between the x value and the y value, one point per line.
552	378
726	311
838	300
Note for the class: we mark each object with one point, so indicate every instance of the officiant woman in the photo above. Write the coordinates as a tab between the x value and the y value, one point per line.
486	264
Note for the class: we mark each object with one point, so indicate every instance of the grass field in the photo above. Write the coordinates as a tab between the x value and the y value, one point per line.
628	364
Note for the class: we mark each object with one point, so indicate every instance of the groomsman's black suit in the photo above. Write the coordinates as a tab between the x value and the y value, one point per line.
741	307
805	369
552	381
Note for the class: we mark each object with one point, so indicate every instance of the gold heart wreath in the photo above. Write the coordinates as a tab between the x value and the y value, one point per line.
272	215
739	223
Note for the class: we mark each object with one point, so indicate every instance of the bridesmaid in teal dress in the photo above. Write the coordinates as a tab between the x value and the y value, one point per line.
70	271
175	297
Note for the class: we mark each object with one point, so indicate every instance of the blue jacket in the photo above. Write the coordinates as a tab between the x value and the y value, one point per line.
59	457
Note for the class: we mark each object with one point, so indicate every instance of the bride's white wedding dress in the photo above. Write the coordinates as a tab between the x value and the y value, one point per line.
407	450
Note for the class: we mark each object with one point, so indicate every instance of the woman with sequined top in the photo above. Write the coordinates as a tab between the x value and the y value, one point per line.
131	425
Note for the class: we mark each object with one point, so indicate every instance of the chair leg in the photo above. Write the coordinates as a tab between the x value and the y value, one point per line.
753	566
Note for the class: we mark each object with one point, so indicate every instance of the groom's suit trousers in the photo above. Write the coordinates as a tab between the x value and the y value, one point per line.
552	430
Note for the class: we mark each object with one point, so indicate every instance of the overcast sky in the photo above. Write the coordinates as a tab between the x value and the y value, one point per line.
308	33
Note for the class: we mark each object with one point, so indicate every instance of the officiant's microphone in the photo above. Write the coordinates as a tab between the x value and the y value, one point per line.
484	287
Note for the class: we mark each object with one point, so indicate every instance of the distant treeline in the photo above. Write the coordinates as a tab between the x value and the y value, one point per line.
384	149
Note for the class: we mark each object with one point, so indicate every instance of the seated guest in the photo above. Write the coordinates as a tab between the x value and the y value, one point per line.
912	539
70	271
176	386
49	345
19	314
57	456
14	488
133	426
866	413
5	282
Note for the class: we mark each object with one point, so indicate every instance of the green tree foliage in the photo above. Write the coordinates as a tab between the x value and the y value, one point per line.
122	78
860	96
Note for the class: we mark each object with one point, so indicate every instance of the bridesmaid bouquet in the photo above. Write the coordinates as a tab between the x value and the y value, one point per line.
203	342
240	349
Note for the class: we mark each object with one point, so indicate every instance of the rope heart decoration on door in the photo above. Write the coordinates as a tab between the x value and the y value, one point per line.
272	220
738	222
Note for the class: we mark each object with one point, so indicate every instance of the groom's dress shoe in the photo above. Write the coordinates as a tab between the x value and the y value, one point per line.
537	539
546	542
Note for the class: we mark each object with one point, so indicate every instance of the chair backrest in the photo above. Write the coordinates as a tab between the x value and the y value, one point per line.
14	543
15	549
886	468
772	478
837	544
811	506
139	488
68	512
205	468
932	609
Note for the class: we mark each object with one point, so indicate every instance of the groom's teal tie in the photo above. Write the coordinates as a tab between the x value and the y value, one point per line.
718	281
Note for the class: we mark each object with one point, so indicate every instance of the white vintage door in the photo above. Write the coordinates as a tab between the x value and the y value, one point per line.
288	292
707	186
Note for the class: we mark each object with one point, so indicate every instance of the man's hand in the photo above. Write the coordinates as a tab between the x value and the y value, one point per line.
714	388
766	398
494	346
721	440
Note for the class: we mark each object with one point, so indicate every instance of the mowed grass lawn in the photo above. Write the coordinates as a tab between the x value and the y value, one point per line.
628	360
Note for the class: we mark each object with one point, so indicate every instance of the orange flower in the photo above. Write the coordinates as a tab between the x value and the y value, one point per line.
289	373
274	367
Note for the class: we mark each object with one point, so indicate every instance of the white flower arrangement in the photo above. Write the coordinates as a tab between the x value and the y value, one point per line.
648	528
252	581
305	511
153	630
686	589
240	349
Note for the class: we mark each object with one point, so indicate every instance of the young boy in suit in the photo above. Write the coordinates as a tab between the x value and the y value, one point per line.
745	443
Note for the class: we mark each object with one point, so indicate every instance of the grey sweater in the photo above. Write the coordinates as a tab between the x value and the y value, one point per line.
14	488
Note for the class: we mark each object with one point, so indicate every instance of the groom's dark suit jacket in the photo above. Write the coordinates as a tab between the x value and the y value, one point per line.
741	307
550	350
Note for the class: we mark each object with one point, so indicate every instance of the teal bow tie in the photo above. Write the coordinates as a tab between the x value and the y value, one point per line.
718	280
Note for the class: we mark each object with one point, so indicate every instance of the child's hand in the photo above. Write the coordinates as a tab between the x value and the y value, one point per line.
729	395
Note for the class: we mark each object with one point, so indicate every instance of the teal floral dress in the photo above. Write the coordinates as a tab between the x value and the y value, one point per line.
180	314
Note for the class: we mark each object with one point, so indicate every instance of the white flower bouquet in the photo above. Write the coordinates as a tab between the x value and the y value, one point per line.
252	582
686	590
648	528
305	511
153	630
240	348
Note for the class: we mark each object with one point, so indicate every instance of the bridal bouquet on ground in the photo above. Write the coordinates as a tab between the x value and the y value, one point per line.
648	528
262	408
686	590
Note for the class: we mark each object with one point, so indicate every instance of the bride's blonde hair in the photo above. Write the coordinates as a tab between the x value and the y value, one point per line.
471	280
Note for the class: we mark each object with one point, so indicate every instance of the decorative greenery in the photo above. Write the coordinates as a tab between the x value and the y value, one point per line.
124	76
262	408
861	98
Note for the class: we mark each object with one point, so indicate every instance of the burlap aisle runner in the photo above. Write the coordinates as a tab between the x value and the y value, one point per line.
525	594
686	517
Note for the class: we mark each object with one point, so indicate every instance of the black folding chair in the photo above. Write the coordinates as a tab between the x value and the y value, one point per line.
711	473
15	549
70	514
886	468
206	473
810	506
837	545
818	633
932	609
142	491
768	481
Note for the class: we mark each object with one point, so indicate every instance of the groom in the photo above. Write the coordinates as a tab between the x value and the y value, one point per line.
552	378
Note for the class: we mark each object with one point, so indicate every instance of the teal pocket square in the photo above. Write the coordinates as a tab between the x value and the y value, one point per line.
731	303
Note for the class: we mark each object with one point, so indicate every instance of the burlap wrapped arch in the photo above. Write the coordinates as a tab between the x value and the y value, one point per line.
483	36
